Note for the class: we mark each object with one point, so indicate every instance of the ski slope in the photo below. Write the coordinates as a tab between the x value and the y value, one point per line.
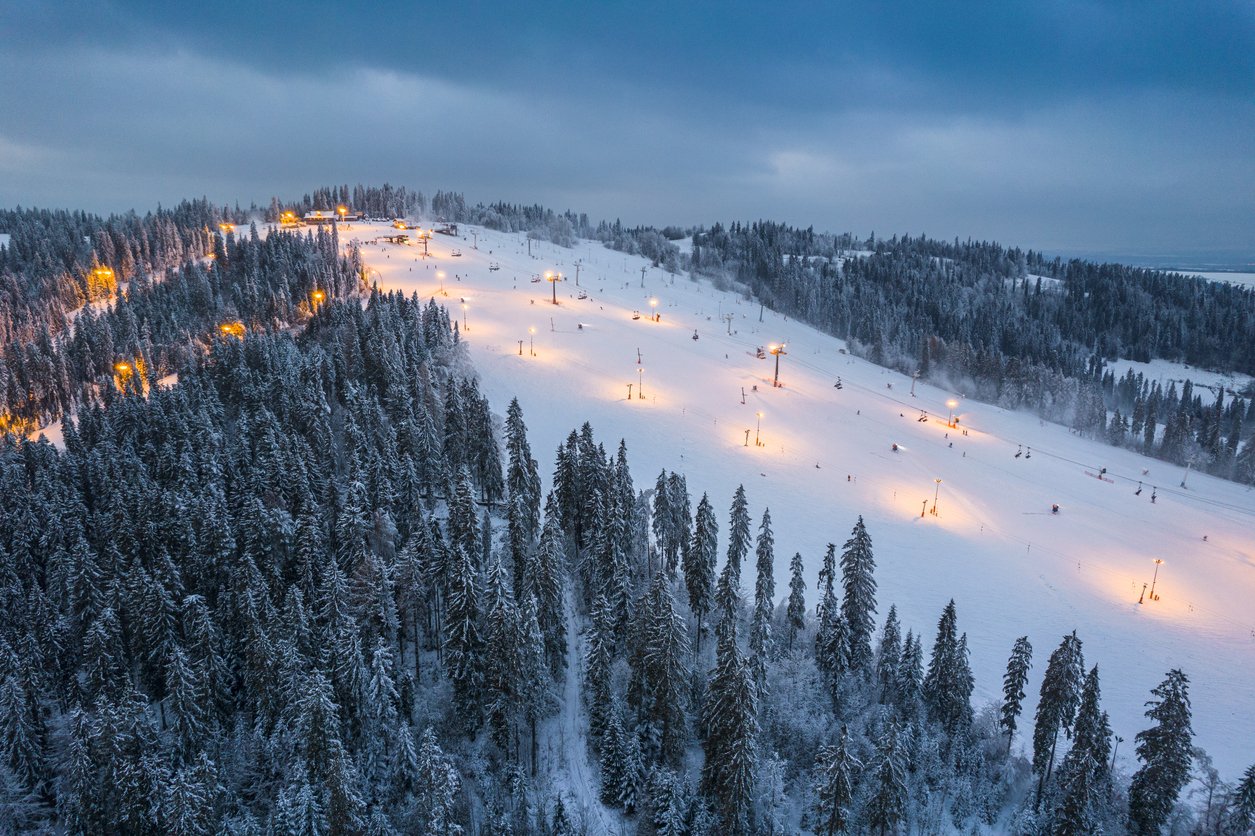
1012	566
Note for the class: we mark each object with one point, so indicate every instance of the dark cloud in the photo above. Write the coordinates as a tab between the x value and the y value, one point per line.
1062	126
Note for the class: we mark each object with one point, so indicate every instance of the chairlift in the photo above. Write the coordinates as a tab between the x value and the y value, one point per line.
494	267
636	314
583	294
456	253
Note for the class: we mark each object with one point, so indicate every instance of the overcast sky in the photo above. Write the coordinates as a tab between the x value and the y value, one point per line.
1065	126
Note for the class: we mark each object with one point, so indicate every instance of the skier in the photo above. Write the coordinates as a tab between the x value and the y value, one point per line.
1054	509
895	447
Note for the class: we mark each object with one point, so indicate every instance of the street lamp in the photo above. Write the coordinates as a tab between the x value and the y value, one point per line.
777	350
343	210
952	403
318	296
653	304
465	326
758	429
936	491
531	339
1155	577
553	279
640	382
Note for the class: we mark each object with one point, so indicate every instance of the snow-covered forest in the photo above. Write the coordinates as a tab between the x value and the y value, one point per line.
316	586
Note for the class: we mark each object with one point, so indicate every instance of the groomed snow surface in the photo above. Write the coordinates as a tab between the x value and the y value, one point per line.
1012	566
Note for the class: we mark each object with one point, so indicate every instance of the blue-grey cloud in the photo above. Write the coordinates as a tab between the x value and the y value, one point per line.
1062	126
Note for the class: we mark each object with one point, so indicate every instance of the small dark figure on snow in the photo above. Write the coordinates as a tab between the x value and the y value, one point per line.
1054	509
895	448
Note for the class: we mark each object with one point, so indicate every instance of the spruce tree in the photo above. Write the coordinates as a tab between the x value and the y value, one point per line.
738	536
796	612
547	589
858	606
659	675
699	566
947	687
764	604
462	643
1013	687
1241	814
1165	753
887	804
1056	708
836	777
731	726
889	657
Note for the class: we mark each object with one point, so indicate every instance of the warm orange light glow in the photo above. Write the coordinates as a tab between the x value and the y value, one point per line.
343	210
122	368
319	295
226	227
232	329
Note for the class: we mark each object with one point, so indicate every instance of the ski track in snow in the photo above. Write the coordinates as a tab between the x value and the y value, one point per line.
1012	567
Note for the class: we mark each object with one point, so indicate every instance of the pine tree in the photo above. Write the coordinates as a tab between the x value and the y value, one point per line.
1013	686
831	645
1056	708
887	804
910	682
659	676
547	588
1165	753
738	536
764	605
1075	816
699	566
731	726
796	612
858	606
1241	816
599	657
668	801
947	687
462	643
837	773
437	791
502	664
889	657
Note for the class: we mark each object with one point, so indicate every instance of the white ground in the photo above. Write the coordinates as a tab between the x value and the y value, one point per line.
1013	567
1246	279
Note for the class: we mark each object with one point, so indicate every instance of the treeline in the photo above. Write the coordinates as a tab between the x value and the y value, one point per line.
152	318
212	598
1014	328
817	718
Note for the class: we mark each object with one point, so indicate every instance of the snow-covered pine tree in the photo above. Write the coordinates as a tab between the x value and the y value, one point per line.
764	605
947	687
889	657
659	683
547	588
1165	752
1240	817
858	605
437	791
501	663
836	775
738	536
681	526
599	655
887	774
462	643
910	682
1056	707
1085	764
522	473
730	721
831	647
1013	687
796	611
699	566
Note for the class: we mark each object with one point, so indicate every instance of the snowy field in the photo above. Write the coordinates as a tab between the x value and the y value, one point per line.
1012	566
1244	279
